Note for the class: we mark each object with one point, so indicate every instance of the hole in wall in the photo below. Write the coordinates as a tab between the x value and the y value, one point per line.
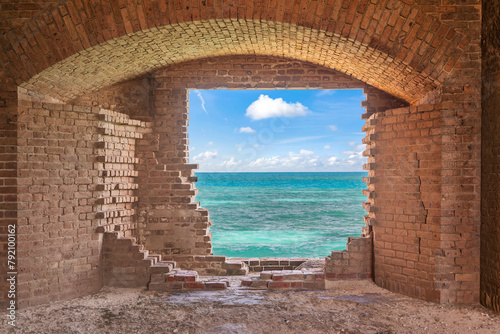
280	170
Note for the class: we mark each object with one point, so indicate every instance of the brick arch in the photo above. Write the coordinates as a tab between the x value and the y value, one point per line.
82	45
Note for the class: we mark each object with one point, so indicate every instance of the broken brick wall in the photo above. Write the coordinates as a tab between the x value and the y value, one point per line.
76	179
355	262
171	223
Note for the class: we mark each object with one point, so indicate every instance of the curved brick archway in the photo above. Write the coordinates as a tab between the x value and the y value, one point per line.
143	52
80	46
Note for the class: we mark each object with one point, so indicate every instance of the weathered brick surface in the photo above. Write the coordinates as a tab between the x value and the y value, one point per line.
170	221
17	12
416	39
184	280
490	208
265	264
76	179
131	97
58	249
287	279
425	230
125	264
355	262
117	164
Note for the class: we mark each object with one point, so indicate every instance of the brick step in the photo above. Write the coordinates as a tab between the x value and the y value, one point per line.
193	205
163	267
269	264
234	268
183	280
153	258
291	275
287	279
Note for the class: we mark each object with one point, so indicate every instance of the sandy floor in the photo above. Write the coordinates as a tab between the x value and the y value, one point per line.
353	307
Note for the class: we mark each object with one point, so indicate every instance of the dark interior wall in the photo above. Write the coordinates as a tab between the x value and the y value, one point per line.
490	171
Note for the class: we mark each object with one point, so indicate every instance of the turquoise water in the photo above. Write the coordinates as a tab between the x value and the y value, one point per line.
282	214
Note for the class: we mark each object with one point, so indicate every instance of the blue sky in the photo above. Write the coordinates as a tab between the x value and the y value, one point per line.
276	130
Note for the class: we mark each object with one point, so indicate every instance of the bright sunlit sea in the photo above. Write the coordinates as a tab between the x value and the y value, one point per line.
282	214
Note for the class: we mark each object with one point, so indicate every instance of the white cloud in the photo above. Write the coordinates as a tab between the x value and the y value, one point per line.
247	129
202	100
333	161
266	107
303	158
333	127
356	151
327	147
210	143
206	156
230	163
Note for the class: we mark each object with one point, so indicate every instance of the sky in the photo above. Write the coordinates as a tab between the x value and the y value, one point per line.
276	130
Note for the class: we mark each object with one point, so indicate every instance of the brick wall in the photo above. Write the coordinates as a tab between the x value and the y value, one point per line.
17	12
131	97
425	230
412	45
355	262
117	165
461	165
76	179
171	223
58	249
404	184
490	208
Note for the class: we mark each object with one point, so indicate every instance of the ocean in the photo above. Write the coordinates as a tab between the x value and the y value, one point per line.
282	214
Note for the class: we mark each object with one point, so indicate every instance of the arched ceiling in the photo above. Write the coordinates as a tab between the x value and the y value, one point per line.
82	46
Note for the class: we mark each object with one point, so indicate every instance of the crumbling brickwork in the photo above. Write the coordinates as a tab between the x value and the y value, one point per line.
116	162
171	223
355	262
